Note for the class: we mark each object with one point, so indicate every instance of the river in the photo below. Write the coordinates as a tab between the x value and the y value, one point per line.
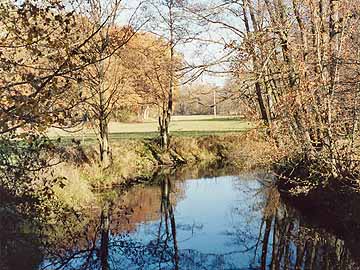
223	222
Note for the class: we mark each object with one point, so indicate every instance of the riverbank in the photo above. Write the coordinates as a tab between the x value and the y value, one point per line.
303	179
136	161
328	202
332	204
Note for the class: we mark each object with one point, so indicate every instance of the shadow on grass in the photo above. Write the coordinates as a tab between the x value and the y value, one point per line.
213	119
87	140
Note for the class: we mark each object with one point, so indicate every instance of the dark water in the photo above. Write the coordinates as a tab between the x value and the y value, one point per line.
227	222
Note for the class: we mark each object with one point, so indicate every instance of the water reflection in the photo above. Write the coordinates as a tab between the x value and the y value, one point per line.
212	223
19	242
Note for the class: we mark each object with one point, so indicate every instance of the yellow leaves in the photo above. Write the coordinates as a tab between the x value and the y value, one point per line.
24	135
147	60
6	101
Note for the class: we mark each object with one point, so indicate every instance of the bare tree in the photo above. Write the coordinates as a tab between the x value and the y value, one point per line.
104	81
297	60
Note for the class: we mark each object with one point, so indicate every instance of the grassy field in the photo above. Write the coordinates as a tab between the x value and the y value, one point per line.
198	125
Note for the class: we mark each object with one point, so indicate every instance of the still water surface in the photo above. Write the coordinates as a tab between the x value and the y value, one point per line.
228	222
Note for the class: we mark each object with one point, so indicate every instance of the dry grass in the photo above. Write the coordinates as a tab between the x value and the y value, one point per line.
75	191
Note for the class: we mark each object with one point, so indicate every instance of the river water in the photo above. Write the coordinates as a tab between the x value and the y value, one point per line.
224	222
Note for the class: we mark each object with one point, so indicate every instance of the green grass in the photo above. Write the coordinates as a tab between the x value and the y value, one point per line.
183	126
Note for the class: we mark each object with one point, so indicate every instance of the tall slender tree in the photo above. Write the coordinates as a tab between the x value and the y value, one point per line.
104	80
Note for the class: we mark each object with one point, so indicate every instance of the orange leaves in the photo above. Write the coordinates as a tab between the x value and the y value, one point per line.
35	64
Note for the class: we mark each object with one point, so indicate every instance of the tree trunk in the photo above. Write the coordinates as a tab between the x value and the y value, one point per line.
334	47
146	113
264	115
260	98
164	122
172	222
103	132
104	146
265	243
215	107
104	248
168	106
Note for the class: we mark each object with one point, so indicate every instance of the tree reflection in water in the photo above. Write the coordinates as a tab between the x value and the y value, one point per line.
19	241
296	245
264	229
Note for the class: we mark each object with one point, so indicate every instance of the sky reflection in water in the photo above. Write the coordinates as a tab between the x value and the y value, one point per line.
211	223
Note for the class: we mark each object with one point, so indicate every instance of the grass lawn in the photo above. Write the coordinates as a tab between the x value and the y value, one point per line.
197	125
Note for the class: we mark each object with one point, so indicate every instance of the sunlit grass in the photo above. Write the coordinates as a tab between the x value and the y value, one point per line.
182	126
